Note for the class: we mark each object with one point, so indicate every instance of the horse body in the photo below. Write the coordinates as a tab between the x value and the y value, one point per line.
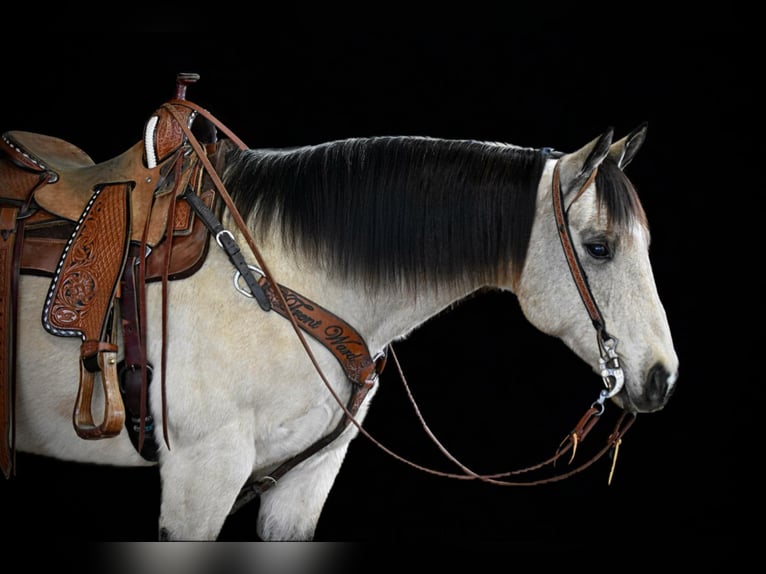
243	396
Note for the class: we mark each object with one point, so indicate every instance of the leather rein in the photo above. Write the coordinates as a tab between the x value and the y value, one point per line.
363	370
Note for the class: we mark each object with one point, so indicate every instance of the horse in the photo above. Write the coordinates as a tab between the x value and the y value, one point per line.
386	232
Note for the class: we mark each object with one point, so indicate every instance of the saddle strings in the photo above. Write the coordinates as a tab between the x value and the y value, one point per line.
591	416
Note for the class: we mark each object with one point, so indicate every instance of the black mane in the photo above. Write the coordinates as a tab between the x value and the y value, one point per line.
401	211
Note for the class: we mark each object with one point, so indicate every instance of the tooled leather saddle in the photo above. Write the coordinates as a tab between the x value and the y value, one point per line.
100	231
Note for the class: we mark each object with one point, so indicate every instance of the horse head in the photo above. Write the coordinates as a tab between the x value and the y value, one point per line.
608	269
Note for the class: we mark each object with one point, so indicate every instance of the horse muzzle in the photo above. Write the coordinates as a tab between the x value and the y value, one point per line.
652	395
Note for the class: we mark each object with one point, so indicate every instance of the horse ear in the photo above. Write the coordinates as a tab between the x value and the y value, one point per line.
624	150
577	167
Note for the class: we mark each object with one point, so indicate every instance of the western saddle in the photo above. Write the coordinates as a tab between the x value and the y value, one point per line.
101	231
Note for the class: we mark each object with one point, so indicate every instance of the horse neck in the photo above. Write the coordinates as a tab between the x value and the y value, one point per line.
388	316
380	315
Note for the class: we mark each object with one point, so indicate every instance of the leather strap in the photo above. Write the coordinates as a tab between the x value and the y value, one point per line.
575	267
230	246
135	373
14	214
8	278
342	340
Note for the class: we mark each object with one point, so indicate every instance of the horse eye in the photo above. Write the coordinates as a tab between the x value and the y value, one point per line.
598	250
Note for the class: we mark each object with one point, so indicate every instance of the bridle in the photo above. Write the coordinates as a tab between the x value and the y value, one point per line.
271	295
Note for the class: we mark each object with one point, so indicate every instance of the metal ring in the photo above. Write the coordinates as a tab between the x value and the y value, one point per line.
599	403
238	275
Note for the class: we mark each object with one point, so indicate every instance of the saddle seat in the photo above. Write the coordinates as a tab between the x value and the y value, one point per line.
41	152
72	174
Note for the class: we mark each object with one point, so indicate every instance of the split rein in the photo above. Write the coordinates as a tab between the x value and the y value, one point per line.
611	371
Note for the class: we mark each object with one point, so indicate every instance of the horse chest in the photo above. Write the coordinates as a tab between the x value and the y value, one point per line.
279	435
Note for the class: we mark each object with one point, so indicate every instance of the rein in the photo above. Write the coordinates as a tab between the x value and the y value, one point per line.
362	370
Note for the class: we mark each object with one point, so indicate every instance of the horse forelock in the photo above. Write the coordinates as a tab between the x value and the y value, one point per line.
395	211
616	196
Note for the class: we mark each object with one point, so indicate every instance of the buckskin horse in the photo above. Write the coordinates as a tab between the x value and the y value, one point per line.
124	286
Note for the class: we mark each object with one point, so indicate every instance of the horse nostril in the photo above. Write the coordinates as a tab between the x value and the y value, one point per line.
658	387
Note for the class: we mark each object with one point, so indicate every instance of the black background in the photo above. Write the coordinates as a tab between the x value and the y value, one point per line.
498	393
